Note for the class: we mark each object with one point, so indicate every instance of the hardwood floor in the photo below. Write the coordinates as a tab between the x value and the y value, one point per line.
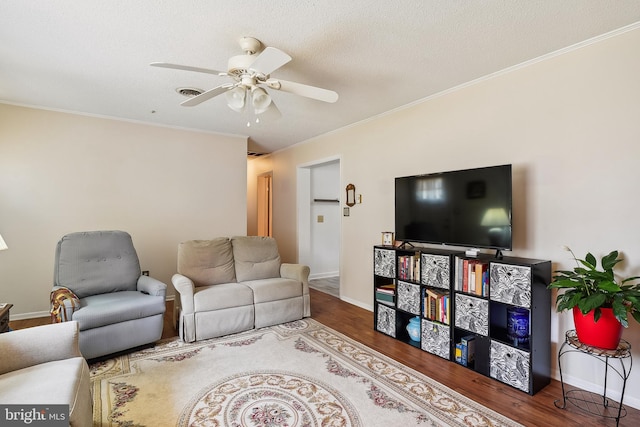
537	410
328	285
357	323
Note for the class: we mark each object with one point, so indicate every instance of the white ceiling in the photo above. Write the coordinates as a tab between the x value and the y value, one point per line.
93	56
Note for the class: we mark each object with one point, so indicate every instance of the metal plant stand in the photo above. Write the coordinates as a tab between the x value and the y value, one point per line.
593	403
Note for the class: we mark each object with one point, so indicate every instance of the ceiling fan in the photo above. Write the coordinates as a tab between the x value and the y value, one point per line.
250	72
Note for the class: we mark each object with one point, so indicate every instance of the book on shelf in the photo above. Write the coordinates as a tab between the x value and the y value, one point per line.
468	348
459	353
386	294
472	276
385	297
409	267
385	302
387	289
457	278
436	305
482	278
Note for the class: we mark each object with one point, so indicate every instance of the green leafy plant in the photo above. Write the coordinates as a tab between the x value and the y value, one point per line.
592	289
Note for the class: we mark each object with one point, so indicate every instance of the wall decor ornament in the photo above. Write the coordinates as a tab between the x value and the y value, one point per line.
351	195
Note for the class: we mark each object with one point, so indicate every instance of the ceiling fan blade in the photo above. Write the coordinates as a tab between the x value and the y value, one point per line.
269	60
187	68
303	90
206	95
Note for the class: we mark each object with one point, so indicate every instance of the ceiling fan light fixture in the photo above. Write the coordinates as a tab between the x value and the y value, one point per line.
260	100
236	98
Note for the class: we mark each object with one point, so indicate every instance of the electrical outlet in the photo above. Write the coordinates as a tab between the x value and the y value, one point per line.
145	273
320	218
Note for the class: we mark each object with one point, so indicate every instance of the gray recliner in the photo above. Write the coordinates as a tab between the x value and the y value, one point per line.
97	282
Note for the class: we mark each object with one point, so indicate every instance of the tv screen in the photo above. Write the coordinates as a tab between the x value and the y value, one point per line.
468	208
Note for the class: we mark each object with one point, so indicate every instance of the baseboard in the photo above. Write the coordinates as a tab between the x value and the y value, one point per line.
595	388
324	275
357	303
32	315
37	314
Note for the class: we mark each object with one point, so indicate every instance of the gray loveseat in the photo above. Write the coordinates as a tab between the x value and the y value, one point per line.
233	285
43	366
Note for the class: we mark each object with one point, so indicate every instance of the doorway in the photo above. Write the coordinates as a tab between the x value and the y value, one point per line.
265	204
319	223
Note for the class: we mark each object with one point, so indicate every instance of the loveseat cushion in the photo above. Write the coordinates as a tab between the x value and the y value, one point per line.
116	307
255	258
207	262
218	297
274	289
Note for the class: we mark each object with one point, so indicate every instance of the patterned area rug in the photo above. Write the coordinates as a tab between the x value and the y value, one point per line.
297	374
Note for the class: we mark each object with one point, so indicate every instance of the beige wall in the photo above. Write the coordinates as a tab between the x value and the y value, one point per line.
61	173
569	124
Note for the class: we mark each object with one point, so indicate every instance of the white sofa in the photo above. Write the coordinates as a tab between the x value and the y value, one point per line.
43	366
232	285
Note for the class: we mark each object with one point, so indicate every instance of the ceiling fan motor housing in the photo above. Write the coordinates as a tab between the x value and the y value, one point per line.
250	45
239	65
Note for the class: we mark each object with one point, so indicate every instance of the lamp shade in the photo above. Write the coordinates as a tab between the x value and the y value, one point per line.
3	245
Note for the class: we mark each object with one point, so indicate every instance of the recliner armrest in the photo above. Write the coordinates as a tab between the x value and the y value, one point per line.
185	288
41	344
296	272
63	304
151	286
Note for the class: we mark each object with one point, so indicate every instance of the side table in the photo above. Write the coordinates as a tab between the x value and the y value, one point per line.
4	317
593	403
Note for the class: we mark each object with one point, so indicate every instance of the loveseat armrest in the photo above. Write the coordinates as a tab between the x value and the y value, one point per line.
296	272
40	344
152	286
185	288
300	273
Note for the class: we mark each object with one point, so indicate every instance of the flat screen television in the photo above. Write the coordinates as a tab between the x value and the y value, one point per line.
468	208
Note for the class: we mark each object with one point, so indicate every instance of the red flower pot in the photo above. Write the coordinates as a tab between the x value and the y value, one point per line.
605	333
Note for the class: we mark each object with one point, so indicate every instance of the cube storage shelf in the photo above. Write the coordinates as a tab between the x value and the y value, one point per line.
471	300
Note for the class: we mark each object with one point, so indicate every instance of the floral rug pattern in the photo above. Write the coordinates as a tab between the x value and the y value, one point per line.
296	374
270	399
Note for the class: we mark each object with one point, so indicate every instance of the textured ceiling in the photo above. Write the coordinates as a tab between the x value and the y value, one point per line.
93	56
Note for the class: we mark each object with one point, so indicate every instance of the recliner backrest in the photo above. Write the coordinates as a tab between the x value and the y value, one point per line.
96	262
